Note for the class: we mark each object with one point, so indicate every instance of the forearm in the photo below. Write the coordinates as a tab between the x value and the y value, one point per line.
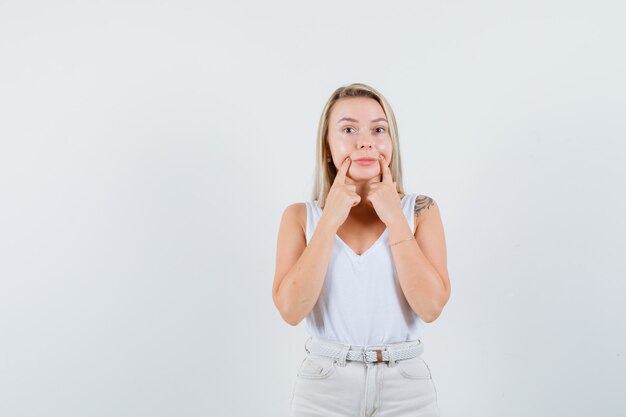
421	284
302	285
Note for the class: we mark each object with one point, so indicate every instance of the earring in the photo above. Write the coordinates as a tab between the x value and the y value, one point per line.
328	159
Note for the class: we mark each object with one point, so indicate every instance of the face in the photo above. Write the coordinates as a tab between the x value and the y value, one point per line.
358	128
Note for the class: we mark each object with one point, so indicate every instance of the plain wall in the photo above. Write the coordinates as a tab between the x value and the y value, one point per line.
148	150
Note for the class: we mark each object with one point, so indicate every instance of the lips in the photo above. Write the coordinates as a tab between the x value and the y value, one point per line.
365	161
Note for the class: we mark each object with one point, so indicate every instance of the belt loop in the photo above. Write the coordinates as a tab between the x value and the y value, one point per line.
392	361
341	361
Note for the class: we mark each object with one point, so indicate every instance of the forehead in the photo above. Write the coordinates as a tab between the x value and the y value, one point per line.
363	109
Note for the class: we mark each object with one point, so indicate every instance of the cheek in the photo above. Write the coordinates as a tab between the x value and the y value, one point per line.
339	147
386	148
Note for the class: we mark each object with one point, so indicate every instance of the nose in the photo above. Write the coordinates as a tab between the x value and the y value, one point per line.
364	141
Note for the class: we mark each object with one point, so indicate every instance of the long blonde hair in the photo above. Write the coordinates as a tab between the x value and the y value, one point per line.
325	171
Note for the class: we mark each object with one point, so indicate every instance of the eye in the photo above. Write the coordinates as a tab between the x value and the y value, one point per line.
382	129
344	129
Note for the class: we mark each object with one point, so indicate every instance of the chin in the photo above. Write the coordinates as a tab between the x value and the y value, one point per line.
364	177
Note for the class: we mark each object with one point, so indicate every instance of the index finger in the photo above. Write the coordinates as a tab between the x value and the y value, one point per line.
341	174
384	169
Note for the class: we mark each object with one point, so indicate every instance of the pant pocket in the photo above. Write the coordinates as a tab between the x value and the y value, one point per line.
316	367
414	368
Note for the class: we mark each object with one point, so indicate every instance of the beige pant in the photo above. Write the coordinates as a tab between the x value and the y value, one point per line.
327	387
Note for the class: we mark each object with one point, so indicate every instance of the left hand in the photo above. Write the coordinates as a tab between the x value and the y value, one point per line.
383	196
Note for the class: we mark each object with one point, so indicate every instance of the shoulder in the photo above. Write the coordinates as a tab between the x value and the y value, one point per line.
425	206
296	213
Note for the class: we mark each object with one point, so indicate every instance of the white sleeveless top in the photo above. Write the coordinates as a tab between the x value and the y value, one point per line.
361	302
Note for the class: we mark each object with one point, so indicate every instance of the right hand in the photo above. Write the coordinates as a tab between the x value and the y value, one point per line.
341	197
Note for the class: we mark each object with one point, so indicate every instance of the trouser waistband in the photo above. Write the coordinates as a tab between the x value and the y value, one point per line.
342	352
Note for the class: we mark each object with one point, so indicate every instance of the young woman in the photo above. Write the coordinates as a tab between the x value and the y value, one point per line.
365	265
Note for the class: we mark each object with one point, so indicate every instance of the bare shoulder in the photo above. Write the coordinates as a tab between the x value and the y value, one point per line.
296	213
425	206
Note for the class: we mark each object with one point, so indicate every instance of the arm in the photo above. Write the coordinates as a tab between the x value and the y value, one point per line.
421	262
300	269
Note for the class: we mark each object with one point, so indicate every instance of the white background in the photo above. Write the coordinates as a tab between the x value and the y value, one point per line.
148	150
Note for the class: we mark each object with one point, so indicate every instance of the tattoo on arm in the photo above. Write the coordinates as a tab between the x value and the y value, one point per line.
422	203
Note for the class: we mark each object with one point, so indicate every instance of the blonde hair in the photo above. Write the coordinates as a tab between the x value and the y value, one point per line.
326	171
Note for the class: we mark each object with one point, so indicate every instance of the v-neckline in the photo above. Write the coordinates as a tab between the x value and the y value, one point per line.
374	245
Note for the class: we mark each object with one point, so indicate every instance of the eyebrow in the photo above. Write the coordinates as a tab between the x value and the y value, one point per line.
349	119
